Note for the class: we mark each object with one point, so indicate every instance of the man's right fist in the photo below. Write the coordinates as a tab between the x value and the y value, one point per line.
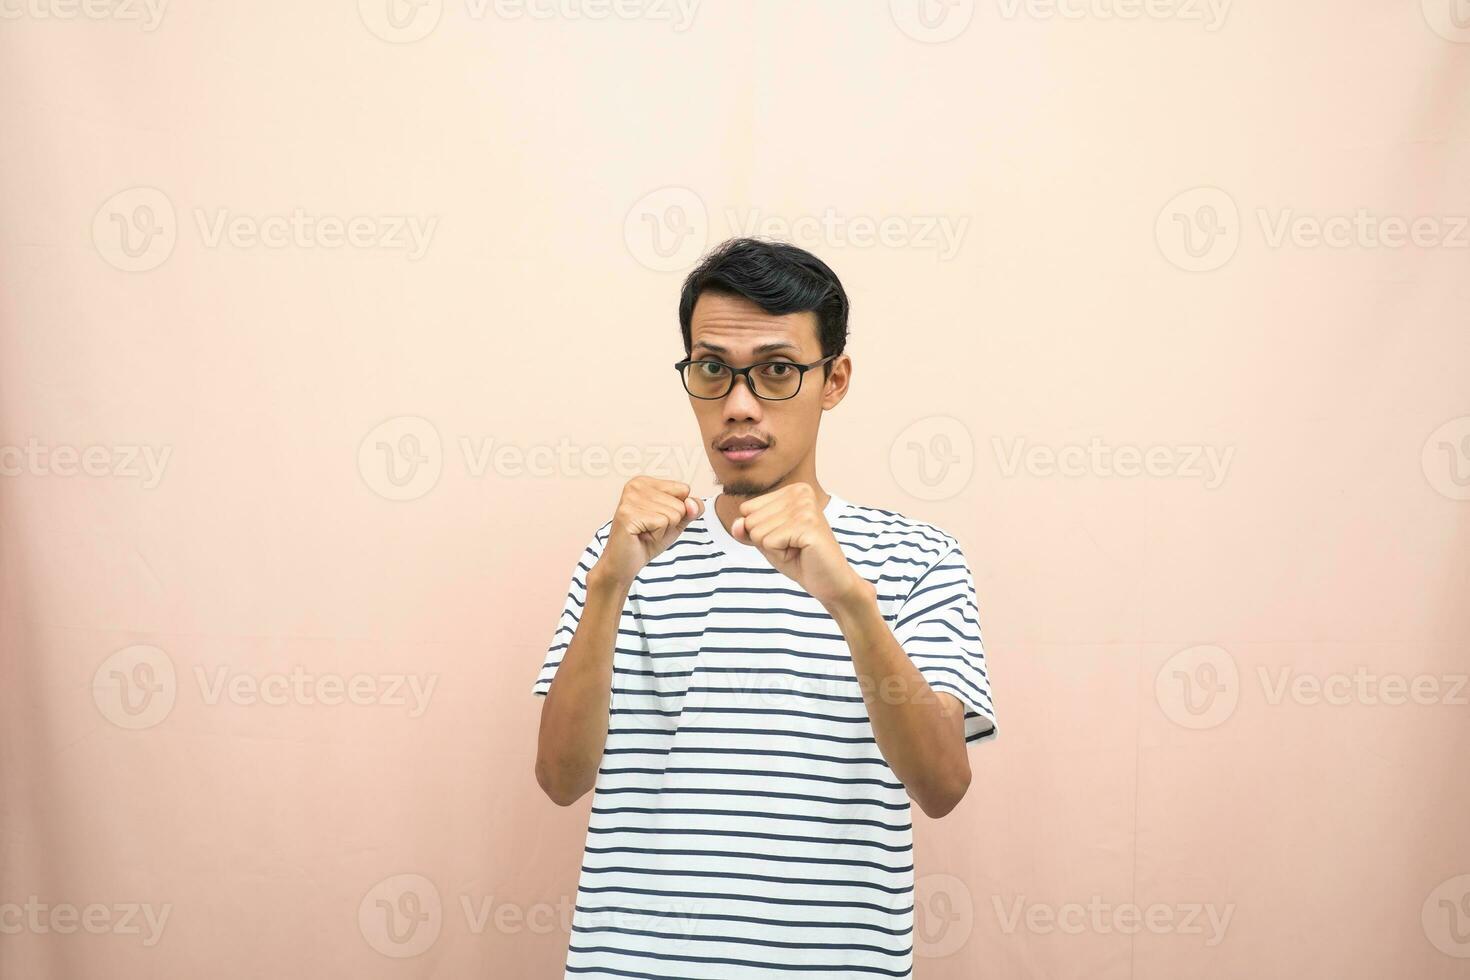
651	514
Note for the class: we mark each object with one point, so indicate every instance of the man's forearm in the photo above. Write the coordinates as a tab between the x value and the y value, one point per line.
920	731
574	718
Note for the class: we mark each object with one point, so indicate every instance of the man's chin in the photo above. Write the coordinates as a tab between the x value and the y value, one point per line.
744	487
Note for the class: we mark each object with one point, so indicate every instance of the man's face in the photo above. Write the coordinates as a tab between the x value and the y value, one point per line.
737	332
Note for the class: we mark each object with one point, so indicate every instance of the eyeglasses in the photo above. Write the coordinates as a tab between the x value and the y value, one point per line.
770	380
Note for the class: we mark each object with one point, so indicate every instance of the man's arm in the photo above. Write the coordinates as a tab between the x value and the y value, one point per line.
921	734
920	731
573	730
650	514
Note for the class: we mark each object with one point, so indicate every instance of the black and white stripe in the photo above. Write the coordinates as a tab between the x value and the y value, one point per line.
744	823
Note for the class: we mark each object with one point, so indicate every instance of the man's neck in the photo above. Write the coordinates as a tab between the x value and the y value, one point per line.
727	506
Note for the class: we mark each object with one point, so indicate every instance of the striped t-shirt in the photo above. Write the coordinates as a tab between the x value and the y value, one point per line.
744	822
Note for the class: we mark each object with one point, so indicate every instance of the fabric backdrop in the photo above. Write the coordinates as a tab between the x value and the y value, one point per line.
330	331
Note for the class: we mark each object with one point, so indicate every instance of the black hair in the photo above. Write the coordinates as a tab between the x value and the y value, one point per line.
778	277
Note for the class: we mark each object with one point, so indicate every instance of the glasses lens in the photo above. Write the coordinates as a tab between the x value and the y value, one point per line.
707	379
776	380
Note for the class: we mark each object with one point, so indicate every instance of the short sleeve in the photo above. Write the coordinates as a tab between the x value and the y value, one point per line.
571	612
938	626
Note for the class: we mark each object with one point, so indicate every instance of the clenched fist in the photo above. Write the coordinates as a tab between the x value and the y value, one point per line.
789	528
651	514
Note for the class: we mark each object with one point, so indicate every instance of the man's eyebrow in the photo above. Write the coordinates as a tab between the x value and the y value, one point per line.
765	348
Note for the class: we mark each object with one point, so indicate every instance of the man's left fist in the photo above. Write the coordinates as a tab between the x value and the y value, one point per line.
789	528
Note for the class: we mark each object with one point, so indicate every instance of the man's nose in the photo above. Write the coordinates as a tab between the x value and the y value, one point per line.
741	402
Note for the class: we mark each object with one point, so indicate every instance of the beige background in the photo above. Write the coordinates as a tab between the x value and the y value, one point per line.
1230	685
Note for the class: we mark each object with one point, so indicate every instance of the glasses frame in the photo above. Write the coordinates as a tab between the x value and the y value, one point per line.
735	372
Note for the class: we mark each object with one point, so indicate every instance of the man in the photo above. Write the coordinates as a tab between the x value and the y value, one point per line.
755	685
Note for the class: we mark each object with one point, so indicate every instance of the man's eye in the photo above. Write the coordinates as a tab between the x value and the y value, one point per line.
712	369
776	369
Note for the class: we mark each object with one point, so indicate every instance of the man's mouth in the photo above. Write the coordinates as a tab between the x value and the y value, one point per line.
743	449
